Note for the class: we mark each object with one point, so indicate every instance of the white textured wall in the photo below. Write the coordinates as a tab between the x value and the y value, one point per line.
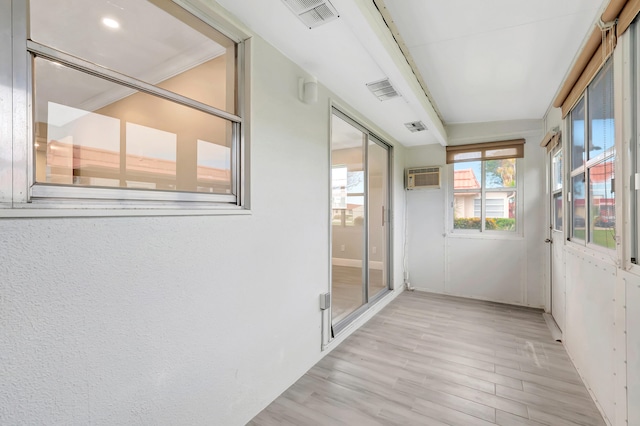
590	324
633	348
485	267
177	320
425	221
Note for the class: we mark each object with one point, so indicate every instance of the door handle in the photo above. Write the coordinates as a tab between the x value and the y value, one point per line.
548	240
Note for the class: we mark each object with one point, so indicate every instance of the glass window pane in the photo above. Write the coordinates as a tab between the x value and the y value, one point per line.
601	128
577	135
500	211
121	138
355	182
139	39
467	175
214	165
339	187
557	211
602	204
348	231
556	169
466	210
578	207
501	173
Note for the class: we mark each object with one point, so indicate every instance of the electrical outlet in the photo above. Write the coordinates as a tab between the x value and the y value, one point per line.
342	247
374	249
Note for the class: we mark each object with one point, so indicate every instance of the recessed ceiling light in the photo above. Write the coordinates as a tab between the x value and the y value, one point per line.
111	23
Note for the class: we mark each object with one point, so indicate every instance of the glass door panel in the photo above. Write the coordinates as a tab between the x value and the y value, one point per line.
377	196
348	218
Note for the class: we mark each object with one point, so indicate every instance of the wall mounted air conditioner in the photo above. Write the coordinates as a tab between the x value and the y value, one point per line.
422	177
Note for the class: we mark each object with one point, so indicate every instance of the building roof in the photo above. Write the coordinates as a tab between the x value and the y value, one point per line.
465	179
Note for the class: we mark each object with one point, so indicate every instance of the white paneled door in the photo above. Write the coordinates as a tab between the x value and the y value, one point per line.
556	236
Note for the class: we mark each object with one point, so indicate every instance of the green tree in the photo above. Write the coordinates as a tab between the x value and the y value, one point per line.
502	172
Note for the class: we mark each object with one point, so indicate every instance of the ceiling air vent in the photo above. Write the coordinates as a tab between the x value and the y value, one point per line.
416	126
312	12
383	89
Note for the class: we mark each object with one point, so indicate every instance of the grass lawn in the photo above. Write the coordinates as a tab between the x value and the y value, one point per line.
604	237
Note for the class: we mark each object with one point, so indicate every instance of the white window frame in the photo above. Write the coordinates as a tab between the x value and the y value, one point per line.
19	193
583	170
483	190
633	245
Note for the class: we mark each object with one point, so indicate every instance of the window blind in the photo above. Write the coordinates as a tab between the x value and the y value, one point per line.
486	151
595	52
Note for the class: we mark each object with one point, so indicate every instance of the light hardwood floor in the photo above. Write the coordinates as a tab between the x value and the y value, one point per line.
437	360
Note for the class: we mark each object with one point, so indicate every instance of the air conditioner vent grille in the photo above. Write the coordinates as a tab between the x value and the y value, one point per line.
416	126
425	170
423	177
312	12
383	89
299	6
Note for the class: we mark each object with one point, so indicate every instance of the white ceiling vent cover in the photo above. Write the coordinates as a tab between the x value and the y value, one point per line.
422	177
313	12
383	89
416	126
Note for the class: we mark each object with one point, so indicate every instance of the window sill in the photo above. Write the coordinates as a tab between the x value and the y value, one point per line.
50	210
486	235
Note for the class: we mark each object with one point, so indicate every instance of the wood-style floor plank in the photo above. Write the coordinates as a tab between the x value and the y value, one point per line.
438	360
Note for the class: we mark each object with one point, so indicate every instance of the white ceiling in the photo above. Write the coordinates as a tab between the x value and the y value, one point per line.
489	60
493	60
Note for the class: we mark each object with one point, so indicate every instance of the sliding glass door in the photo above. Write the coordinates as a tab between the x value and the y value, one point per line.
377	202
360	219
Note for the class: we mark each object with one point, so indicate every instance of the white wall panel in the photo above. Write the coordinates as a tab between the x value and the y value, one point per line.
426	239
590	331
633	349
425	220
486	268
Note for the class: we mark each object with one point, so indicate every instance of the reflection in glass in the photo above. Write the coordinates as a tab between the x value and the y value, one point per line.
339	187
137	141
148	44
81	147
377	195
557	211
577	135
151	158
601	123
214	166
602	217
556	170
578	207
348	213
